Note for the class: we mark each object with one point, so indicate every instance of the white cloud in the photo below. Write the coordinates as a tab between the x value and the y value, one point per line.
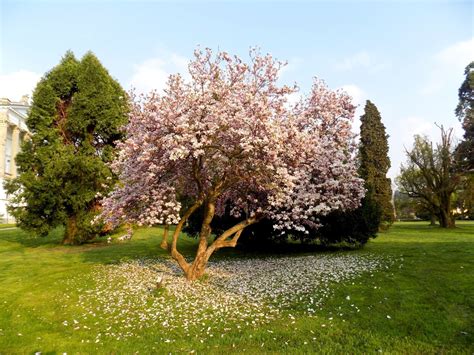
434	85
403	130
447	65
14	85
358	95
358	98
417	126
292	65
153	73
362	59
458	55
401	138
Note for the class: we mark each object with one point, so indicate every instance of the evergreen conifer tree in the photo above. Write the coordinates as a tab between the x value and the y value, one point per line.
374	161
75	118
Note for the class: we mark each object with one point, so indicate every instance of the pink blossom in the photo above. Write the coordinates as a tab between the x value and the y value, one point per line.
229	135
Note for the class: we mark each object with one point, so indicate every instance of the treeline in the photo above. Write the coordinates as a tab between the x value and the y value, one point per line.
90	140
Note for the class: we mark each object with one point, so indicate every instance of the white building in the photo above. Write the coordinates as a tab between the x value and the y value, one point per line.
13	131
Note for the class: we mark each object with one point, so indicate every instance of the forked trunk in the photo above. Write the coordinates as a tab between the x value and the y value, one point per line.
197	268
229	238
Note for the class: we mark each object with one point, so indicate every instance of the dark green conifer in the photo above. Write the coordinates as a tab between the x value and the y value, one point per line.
75	118
374	161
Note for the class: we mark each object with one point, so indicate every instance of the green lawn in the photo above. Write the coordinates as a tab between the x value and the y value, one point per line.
7	225
421	301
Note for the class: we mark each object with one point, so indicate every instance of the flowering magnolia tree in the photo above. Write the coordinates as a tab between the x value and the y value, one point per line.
229	136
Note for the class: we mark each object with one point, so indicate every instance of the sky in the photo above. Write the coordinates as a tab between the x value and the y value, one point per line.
407	57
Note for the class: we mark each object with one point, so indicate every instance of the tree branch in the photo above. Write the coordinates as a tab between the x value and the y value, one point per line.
174	251
234	231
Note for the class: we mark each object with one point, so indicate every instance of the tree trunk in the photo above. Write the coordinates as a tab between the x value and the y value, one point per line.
197	268
229	238
432	220
70	234
175	254
164	240
446	219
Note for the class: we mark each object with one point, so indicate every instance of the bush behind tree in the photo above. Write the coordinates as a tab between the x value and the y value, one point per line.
354	227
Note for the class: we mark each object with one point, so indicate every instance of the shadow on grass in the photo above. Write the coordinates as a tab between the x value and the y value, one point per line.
145	244
290	248
29	240
52	241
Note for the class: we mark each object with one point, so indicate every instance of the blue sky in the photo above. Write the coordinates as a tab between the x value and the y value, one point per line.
407	57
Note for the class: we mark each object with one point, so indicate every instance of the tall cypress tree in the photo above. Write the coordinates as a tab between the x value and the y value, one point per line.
75	118
374	161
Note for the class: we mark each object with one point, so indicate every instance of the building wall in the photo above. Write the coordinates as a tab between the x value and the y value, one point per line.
13	131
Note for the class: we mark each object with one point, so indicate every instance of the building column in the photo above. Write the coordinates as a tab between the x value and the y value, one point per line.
3	141
15	149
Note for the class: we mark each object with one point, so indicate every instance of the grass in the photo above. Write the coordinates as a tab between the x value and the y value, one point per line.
7	225
422	303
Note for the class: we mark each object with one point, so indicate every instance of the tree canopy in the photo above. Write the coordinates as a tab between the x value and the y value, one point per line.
229	137
465	113
75	118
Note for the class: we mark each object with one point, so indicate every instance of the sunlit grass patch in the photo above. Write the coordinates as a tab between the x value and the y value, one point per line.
408	291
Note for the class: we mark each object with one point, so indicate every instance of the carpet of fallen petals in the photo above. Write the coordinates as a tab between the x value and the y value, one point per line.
235	294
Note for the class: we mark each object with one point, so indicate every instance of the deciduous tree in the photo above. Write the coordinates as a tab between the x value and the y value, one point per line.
430	175
228	137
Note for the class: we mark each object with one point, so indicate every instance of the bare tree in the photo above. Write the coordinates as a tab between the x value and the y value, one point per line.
430	175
